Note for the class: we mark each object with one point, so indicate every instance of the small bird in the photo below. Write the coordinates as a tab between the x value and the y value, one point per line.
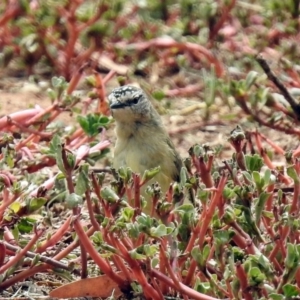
142	140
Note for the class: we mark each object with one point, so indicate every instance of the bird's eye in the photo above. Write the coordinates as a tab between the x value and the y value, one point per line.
135	100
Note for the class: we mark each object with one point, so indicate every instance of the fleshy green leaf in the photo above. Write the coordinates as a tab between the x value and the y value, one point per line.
73	200
109	195
149	174
35	204
292	173
290	290
82	182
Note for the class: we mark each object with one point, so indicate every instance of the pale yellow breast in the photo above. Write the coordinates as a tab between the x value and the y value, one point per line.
140	155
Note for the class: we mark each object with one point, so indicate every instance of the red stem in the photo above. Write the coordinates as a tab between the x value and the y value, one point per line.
210	212
295	203
137	193
100	88
185	290
103	265
41	268
22	253
226	10
148	290
241	275
205	170
90	210
56	237
285	232
277	148
168	266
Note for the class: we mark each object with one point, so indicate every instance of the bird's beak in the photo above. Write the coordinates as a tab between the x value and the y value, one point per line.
117	105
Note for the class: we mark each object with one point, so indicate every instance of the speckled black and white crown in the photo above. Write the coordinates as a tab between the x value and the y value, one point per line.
125	96
125	93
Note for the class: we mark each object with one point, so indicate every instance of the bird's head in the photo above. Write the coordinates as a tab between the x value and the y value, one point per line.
129	104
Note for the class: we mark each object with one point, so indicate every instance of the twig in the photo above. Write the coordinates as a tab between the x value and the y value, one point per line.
42	258
254	115
264	65
20	254
46	135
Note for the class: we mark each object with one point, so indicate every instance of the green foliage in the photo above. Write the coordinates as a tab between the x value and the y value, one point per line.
25	225
82	183
73	200
253	163
93	123
149	174
109	195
